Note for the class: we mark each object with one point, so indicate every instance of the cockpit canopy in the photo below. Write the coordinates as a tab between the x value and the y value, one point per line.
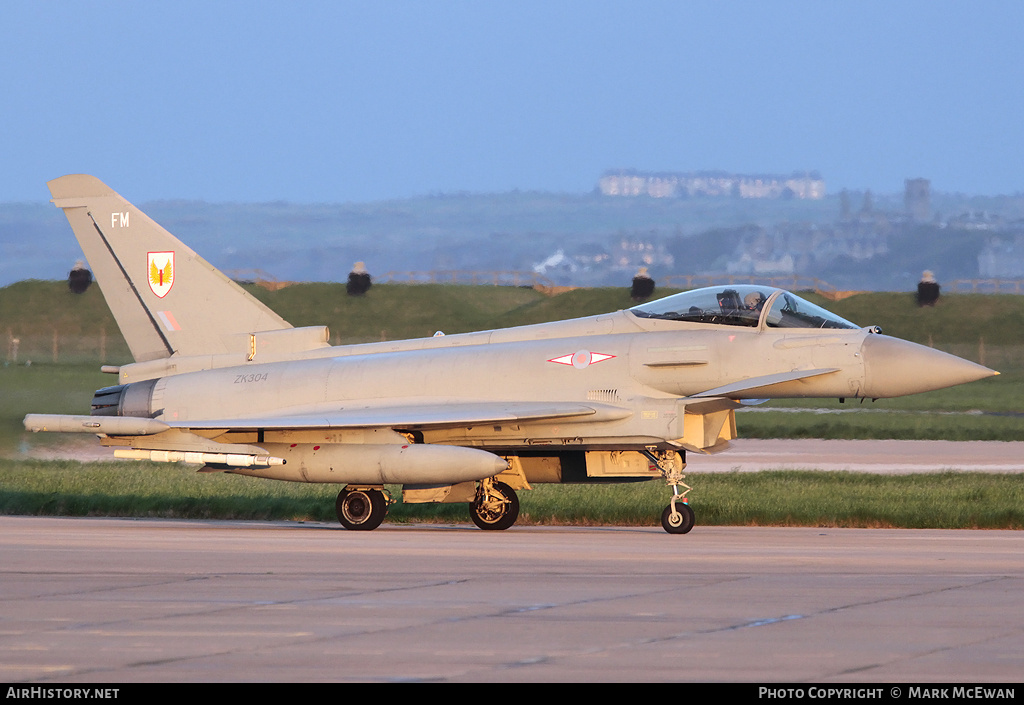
741	305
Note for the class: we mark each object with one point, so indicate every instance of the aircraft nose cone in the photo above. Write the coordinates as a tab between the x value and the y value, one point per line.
894	367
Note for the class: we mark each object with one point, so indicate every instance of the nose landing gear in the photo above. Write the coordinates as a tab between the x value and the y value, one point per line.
678	517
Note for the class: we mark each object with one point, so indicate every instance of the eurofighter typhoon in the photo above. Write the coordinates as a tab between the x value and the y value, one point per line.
221	381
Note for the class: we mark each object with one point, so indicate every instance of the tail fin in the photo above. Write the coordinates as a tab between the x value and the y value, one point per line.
166	299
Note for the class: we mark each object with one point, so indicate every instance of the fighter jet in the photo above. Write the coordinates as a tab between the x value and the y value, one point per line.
221	381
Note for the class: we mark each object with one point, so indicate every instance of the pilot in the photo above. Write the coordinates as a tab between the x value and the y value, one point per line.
754	301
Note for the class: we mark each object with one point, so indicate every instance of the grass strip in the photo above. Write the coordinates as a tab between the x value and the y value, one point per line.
949	500
899	425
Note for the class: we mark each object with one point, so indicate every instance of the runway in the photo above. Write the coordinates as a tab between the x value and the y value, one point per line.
876	456
122	601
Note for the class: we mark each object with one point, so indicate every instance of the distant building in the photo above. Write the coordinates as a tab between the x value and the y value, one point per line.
795	248
557	264
631	252
1002	259
782	264
981	220
627	182
917	199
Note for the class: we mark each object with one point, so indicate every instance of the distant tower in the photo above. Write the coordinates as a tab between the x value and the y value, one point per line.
868	203
917	199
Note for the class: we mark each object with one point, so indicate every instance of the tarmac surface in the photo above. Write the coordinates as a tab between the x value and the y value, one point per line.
877	456
122	601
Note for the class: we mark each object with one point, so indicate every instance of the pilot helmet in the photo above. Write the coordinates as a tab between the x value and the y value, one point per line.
754	300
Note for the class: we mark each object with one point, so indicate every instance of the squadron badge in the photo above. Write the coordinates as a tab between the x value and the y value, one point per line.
161	272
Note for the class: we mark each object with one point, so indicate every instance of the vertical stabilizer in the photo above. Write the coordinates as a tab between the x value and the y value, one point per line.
166	299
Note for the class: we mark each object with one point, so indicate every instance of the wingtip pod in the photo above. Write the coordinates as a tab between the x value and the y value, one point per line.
895	367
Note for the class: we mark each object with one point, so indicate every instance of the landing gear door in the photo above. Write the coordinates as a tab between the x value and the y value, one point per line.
612	464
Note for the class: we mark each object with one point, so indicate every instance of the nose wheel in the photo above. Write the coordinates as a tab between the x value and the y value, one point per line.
677	518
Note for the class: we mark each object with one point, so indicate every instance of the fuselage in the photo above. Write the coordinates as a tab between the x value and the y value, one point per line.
641	358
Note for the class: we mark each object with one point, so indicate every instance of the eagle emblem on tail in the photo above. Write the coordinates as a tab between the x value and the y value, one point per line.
161	272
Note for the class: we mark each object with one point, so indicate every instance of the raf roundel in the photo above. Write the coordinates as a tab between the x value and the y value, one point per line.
581	359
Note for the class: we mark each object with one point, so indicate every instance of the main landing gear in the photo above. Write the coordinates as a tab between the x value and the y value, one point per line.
496	506
678	517
362	509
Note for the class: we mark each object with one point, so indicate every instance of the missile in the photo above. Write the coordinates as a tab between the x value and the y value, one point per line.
177	456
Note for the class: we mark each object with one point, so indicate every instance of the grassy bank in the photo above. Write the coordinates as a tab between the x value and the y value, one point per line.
54	325
785	498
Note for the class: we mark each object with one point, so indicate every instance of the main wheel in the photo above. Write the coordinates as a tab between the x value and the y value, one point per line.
361	510
496	512
679	523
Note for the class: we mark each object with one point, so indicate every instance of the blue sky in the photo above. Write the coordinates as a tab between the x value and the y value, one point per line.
356	101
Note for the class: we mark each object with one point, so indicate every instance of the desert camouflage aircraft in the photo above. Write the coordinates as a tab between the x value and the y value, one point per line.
221	381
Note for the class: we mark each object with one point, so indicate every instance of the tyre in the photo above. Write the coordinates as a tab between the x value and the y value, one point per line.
361	510
496	515
681	523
